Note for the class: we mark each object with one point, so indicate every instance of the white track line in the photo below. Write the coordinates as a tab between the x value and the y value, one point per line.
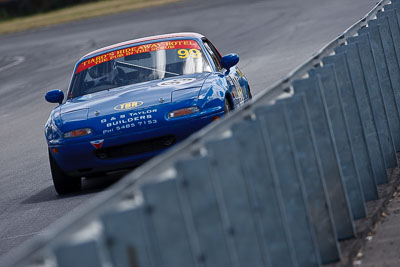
17	60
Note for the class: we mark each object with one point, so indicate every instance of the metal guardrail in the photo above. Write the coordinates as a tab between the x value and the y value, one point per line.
277	183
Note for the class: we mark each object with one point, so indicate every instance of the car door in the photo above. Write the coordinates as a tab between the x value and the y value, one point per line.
232	80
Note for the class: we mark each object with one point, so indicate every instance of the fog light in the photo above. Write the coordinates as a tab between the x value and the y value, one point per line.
55	150
169	141
214	118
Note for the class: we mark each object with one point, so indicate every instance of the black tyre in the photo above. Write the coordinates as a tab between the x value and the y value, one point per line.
250	95
227	106
63	183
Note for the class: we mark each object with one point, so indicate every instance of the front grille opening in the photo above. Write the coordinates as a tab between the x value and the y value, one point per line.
85	170
136	148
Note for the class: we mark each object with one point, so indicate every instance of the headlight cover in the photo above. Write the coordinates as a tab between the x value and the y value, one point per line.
78	133
183	112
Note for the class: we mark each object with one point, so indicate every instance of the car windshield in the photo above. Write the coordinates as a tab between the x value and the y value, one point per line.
138	64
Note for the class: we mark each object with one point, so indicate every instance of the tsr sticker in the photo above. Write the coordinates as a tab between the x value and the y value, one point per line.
128	105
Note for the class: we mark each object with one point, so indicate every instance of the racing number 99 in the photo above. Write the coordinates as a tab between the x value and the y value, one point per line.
184	53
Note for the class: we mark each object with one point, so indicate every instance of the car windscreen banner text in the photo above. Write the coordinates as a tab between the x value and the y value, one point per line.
134	50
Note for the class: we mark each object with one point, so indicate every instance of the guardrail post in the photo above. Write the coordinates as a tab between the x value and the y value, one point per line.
395	2
388	7
166	225
370	68
265	194
249	236
356	134
390	32
393	6
127	237
326	81
326	147
394	30
279	143
68	255
210	229
396	7
307	155
380	32
372	133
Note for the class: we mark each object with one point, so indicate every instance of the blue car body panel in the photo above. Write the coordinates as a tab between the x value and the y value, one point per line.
133	120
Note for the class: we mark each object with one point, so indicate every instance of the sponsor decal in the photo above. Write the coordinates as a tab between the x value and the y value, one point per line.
239	72
185	53
175	82
128	105
97	144
238	89
128	120
139	49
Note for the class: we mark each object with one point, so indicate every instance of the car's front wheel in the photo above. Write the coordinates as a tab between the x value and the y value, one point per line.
250	95
63	183
227	106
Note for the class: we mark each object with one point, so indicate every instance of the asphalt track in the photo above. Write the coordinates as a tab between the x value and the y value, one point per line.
270	36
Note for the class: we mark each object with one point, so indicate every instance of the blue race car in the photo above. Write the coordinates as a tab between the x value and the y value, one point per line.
130	101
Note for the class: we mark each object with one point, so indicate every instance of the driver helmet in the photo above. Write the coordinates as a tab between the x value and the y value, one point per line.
101	70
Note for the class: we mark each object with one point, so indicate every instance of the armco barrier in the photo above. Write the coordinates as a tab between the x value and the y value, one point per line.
277	183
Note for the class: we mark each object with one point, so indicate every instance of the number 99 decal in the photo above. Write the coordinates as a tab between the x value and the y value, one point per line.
184	53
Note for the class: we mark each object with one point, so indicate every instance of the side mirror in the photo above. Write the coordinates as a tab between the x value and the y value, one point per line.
230	60
54	96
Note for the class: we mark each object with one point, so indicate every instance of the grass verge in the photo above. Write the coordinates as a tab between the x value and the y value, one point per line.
78	12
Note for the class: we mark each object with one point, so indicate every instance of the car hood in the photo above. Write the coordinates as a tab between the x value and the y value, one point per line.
140	106
136	96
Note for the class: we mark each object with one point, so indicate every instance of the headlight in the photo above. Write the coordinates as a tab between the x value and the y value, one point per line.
183	112
78	133
52	132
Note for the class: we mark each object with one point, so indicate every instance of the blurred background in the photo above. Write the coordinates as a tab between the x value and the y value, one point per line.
14	8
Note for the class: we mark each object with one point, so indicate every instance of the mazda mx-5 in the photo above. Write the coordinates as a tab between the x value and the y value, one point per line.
130	101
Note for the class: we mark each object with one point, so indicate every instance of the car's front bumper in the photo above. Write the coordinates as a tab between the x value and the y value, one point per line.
82	158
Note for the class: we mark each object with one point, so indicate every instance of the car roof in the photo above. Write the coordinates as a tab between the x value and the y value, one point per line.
145	39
